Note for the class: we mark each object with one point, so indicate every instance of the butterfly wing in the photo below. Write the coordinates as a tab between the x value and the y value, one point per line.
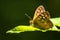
38	11
42	18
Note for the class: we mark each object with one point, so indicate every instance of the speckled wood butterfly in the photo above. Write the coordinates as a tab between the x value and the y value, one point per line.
41	18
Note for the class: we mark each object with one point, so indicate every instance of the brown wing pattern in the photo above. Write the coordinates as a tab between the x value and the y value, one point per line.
42	18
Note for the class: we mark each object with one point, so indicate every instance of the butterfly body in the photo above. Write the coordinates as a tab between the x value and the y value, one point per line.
41	18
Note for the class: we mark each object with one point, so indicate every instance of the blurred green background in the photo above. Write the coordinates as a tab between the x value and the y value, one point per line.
13	13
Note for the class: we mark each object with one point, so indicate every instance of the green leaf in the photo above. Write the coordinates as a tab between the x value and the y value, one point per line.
56	21
24	28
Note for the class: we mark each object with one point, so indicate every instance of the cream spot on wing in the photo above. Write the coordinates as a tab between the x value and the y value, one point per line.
42	14
43	17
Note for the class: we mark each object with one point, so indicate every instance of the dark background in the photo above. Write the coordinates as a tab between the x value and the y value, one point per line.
13	14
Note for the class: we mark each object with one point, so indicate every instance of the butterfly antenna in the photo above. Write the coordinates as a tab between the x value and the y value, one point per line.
28	16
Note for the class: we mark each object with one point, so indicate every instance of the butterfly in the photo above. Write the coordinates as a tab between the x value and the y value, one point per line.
41	18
